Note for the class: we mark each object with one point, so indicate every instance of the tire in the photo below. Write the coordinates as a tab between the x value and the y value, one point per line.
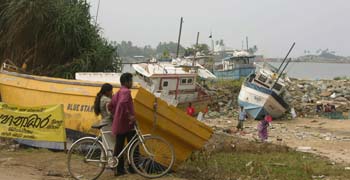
79	166
156	165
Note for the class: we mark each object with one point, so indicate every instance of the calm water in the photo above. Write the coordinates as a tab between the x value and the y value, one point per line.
312	71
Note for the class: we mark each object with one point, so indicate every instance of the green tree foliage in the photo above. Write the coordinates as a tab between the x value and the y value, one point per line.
52	38
127	49
169	47
202	48
164	49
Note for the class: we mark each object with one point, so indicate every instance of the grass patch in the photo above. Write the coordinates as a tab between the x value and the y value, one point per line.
225	83
271	165
341	78
230	157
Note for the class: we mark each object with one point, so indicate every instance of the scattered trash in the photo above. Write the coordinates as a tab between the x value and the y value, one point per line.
53	173
347	168
331	163
333	95
249	164
318	177
293	113
304	149
308	97
200	116
233	146
279	164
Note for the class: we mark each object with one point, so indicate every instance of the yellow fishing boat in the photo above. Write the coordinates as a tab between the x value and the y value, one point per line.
185	133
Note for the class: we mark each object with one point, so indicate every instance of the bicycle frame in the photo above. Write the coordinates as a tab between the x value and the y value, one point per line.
138	136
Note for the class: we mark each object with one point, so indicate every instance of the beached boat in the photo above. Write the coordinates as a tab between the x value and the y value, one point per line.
175	82
262	93
185	133
238	65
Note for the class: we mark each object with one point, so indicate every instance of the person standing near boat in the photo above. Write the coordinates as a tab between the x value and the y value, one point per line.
241	118
103	98
190	110
122	108
262	127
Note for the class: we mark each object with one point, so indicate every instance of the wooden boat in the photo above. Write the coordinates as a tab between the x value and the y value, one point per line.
185	133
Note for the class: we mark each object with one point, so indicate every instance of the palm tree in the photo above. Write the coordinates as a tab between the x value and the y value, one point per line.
51	37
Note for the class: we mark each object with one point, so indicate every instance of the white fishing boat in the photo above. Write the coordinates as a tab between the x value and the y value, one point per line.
262	92
175	82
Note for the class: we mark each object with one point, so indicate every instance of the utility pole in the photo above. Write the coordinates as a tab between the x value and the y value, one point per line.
178	41
197	38
195	50
98	9
246	39
212	42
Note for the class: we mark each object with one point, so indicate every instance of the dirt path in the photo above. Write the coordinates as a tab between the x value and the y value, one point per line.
330	138
29	164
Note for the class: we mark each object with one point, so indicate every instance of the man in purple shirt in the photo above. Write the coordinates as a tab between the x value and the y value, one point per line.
122	108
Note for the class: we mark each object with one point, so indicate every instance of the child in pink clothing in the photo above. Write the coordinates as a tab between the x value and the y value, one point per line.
262	127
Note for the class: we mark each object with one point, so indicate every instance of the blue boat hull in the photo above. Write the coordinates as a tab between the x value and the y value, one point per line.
255	111
259	101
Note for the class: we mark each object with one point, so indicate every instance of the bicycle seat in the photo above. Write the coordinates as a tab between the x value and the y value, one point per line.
99	125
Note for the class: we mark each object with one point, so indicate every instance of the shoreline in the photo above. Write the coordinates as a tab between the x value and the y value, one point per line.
316	62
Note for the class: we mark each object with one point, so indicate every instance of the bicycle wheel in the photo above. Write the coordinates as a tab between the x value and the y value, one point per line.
86	159
152	159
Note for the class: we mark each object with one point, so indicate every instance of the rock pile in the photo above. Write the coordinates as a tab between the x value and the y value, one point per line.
305	95
223	101
302	95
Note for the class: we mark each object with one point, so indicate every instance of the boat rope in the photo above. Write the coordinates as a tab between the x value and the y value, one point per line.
155	108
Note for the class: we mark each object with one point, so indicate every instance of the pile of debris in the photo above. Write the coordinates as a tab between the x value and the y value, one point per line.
302	95
223	101
305	95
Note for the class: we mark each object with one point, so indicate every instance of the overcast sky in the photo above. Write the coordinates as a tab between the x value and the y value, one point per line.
272	25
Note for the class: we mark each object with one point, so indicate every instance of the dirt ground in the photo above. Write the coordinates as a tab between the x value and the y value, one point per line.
330	138
46	165
326	137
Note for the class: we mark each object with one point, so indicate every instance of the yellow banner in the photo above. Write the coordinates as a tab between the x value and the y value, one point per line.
43	123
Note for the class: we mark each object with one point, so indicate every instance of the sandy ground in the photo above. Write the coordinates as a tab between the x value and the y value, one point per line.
42	164
326	137
46	165
330	138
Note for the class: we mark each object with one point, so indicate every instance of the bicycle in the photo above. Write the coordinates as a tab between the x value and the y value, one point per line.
150	156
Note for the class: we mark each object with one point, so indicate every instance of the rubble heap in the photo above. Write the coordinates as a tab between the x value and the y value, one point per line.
302	95
305	95
224	101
